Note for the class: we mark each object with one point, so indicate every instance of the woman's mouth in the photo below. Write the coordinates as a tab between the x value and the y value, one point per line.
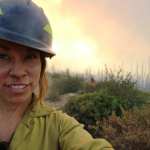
17	88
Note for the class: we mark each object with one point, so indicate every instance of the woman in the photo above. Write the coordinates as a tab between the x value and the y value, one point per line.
26	122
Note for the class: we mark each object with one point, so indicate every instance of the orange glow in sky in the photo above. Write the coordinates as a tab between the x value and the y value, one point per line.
90	34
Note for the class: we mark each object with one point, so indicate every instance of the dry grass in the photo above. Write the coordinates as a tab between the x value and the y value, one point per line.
132	132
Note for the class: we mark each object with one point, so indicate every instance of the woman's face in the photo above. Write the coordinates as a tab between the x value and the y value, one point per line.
20	69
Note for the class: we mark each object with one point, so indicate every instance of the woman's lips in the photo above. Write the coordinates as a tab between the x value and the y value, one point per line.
17	88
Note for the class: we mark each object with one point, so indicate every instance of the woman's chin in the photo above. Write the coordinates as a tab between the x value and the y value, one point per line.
19	97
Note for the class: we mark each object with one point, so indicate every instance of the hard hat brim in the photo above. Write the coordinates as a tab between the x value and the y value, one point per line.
25	41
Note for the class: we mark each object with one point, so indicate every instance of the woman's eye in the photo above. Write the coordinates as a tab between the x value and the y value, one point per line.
4	56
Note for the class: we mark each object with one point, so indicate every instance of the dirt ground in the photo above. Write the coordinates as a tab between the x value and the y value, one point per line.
62	100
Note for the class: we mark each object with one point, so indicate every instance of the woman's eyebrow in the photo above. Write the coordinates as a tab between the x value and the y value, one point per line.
32	51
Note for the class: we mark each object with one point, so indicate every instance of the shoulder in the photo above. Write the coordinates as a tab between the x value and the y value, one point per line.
58	126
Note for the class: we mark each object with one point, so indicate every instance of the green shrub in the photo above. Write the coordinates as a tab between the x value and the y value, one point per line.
90	107
123	87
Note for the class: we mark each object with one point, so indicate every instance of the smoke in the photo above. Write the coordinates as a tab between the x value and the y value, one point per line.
119	31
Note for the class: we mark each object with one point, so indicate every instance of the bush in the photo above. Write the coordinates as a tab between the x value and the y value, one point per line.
90	107
131	132
123	87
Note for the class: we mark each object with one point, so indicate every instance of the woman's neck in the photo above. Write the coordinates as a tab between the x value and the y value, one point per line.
13	109
10	117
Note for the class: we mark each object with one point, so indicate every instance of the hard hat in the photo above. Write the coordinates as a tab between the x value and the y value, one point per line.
23	22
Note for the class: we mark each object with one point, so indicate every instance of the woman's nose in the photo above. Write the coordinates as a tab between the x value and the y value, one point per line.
18	69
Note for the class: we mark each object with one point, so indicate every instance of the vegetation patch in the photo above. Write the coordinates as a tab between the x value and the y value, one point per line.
131	132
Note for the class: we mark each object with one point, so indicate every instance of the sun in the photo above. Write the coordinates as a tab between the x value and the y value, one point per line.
83	48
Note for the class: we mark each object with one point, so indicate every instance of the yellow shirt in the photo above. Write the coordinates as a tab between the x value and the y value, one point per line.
44	128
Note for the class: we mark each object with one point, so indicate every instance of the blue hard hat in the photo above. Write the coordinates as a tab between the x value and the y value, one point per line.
23	22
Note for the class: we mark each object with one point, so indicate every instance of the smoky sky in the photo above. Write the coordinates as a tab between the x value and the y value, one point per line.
122	25
134	14
120	28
